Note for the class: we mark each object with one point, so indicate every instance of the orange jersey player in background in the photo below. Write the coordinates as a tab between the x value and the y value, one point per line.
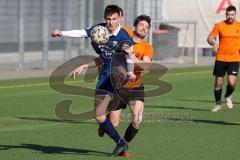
227	56
229	41
140	50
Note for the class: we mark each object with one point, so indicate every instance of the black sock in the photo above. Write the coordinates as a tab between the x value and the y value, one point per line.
130	133
218	94
229	91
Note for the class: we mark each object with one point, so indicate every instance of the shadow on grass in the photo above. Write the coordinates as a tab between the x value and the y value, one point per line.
53	120
205	101
214	122
198	100
178	107
54	149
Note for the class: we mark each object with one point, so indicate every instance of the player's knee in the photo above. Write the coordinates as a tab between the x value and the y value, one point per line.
115	123
218	86
115	120
137	122
100	119
218	83
231	85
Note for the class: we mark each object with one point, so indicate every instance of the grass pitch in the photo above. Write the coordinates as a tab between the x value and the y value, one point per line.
178	125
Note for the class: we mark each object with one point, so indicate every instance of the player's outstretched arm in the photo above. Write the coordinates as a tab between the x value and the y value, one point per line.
95	62
78	70
142	64
71	33
56	33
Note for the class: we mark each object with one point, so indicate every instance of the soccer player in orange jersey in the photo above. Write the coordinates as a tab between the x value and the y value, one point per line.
227	56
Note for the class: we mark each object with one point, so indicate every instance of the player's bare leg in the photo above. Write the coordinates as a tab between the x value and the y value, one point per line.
115	117
136	108
100	107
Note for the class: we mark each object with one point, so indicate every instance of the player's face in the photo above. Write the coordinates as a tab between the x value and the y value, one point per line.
230	16
142	28
113	22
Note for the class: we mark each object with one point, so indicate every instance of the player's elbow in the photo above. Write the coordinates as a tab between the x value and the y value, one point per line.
146	66
208	40
143	66
98	61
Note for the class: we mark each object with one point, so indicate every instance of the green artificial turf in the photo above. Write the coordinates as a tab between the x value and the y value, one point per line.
177	125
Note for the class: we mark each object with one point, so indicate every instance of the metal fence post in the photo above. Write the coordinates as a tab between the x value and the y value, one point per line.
45	28
21	40
82	24
67	52
196	43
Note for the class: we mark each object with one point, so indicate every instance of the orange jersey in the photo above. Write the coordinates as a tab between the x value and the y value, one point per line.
140	50
128	30
229	41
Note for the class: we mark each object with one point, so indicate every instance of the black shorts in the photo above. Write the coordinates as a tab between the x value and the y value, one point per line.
124	96
221	68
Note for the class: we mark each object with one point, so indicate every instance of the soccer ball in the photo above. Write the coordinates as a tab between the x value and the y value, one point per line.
99	35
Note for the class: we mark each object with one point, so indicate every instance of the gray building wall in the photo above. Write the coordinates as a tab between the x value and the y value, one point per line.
40	17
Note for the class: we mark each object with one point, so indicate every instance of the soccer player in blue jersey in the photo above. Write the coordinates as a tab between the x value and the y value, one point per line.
132	92
104	89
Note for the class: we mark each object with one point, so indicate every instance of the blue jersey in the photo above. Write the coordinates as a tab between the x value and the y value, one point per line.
106	51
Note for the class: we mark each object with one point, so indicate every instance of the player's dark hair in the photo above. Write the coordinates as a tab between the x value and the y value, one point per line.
142	18
111	9
121	11
231	8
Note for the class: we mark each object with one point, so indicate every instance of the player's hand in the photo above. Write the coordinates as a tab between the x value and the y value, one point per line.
129	50
215	47
132	76
77	71
56	33
125	46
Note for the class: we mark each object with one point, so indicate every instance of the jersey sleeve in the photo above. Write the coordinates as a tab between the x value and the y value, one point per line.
125	41
215	31
74	33
88	31
149	51
143	49
128	41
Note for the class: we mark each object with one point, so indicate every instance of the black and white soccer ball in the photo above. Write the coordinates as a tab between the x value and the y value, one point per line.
99	34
